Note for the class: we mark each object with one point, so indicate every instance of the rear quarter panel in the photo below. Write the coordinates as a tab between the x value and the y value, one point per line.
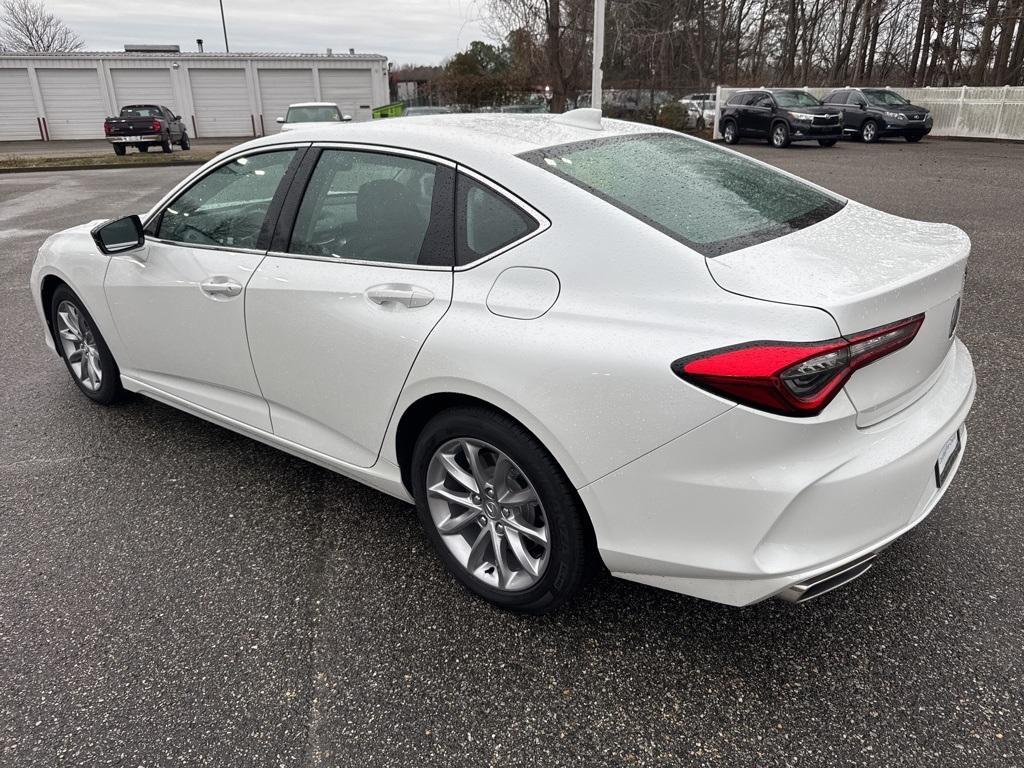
591	377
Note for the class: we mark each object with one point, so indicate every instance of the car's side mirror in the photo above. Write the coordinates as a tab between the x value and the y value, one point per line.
280	119
346	118
118	235
177	117
863	105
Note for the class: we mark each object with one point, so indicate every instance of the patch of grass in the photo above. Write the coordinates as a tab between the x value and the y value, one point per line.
36	162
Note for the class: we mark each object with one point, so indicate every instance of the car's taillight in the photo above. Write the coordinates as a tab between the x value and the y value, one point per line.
792	378
155	127
106	127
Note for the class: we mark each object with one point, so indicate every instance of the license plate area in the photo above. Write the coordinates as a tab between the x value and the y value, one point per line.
947	457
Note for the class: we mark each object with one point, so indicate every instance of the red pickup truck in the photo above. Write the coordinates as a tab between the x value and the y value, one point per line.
143	126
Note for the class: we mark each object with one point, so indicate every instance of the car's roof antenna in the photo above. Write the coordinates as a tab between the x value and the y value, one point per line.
585	117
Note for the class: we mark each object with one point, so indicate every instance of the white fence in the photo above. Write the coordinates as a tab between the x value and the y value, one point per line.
983	113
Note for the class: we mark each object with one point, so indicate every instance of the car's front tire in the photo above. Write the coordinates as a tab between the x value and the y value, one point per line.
730	133
119	150
780	136
913	138
500	512
83	349
869	132
185	143
827	142
165	145
142	147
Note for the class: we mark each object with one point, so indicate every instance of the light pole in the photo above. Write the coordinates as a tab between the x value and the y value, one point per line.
598	55
224	25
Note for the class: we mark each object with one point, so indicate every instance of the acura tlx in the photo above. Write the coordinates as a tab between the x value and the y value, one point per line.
568	340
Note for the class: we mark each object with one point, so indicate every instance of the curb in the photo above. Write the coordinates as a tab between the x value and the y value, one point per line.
97	166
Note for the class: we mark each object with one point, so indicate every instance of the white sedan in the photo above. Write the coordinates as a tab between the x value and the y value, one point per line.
311	114
567	340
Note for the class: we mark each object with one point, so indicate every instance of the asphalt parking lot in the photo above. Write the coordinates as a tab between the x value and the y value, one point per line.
174	594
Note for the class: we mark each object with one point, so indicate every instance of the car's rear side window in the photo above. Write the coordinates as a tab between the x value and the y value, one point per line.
712	200
486	221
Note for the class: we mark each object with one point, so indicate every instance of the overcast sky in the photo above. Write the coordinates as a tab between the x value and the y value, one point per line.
406	31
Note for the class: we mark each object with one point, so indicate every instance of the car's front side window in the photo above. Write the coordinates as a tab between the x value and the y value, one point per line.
226	207
369	206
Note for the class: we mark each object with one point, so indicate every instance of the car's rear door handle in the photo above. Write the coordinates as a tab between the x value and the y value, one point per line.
221	286
411	296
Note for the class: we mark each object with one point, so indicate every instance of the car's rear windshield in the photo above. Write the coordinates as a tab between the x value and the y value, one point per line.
710	199
140	110
313	115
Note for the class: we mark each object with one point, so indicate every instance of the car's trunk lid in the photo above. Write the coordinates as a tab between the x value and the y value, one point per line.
866	269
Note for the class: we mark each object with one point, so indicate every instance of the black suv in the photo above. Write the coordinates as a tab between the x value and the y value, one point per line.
871	113
780	116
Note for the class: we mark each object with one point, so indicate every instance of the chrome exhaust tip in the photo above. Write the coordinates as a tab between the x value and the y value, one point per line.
818	585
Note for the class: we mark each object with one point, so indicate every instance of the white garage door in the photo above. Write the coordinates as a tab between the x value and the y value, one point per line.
18	115
350	89
221	99
281	87
74	107
143	86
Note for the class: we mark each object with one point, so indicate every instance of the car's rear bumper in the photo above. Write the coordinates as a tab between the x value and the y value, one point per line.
155	138
749	505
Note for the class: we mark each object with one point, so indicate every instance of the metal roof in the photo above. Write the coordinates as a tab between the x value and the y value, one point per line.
194	55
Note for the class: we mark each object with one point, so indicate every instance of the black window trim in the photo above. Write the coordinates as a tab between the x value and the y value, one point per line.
543	223
832	206
151	222
280	241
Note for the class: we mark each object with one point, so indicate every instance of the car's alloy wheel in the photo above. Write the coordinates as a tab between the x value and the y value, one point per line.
869	132
488	514
500	512
83	348
780	136
79	345
729	133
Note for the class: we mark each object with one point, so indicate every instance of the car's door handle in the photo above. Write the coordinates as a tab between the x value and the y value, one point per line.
220	286
411	296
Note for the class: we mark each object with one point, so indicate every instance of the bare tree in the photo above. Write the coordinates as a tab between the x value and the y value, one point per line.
27	27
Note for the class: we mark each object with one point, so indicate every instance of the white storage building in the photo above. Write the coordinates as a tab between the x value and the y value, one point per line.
67	96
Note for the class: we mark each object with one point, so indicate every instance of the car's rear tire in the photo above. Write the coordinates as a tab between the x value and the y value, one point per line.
780	135
142	147
913	138
730	132
185	143
119	150
83	349
827	142
869	132
500	512
700	124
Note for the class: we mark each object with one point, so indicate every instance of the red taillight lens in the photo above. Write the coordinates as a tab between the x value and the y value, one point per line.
106	127
155	127
792	378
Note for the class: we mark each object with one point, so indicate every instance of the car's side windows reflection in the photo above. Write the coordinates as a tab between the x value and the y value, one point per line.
367	206
227	207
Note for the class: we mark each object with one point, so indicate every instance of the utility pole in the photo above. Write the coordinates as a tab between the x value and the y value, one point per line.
598	55
224	25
